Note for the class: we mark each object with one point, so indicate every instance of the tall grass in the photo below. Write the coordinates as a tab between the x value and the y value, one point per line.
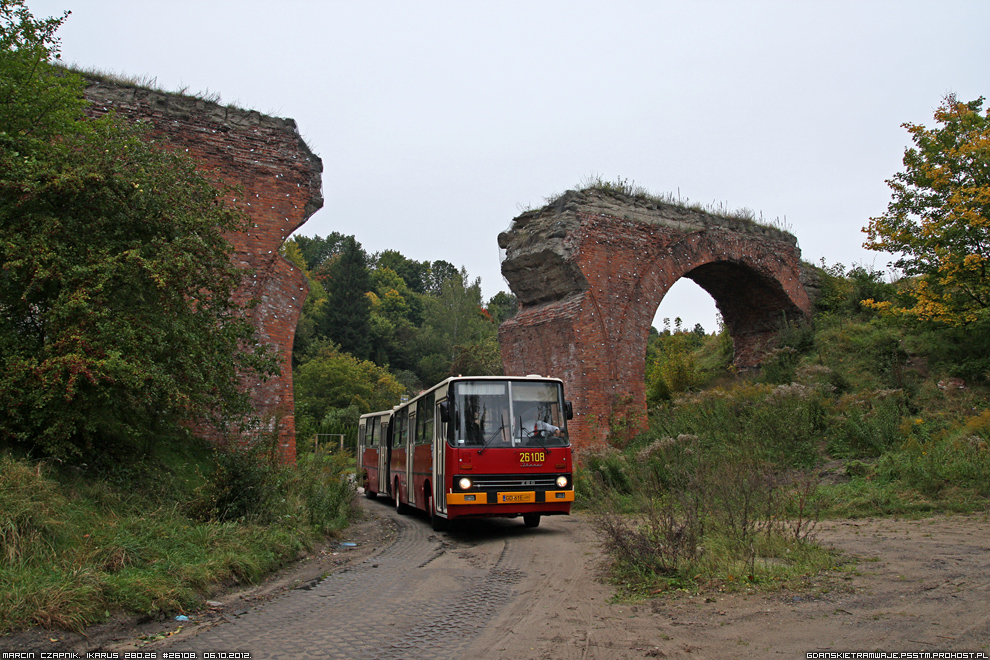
30	527
75	546
782	424
693	514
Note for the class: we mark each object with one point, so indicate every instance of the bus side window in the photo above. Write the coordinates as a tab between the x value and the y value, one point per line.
424	420
428	420
399	433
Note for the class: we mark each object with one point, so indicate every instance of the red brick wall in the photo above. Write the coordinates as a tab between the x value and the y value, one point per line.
282	186
607	263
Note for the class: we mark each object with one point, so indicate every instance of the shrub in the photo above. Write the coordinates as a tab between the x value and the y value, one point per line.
607	468
866	424
781	424
245	485
867	354
75	546
326	489
706	512
780	365
661	543
843	293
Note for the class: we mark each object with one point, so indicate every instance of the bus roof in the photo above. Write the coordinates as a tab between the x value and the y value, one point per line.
453	379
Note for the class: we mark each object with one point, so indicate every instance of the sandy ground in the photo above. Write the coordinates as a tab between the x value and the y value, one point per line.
915	585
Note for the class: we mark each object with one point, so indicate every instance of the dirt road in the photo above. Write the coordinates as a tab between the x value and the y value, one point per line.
919	585
495	589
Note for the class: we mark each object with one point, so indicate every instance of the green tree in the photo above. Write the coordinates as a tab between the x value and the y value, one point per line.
396	300
36	97
458	335
414	273
502	307
670	366
456	314
939	218
316	251
346	316
306	332
480	357
117	321
395	311
333	380
440	272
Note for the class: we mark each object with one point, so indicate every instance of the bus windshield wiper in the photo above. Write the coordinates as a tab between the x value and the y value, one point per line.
539	441
492	436
536	435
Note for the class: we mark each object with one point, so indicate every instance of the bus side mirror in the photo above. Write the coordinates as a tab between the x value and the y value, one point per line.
568	410
445	412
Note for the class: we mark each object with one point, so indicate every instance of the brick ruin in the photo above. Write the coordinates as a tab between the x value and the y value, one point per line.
590	270
282	187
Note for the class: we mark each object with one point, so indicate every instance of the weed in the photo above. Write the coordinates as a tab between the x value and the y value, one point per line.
705	513
606	468
865	424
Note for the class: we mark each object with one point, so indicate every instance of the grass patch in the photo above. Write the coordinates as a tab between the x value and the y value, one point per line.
77	545
862	498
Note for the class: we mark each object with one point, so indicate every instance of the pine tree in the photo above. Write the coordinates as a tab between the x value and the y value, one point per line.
346	315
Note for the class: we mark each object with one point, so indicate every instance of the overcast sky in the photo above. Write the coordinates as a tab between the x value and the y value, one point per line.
438	122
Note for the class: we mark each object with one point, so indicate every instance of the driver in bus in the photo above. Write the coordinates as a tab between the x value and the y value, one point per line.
546	427
532	426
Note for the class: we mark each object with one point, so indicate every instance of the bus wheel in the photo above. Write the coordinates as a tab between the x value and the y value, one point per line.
400	508
370	494
531	520
436	522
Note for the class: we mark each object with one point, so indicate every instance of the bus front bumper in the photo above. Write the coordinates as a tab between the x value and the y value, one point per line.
511	497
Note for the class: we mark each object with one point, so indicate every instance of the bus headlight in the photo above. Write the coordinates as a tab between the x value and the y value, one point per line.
464	483
561	482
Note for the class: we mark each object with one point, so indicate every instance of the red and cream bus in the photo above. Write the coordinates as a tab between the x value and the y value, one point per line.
470	447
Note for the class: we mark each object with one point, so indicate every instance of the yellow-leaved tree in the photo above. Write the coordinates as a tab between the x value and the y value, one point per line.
938	222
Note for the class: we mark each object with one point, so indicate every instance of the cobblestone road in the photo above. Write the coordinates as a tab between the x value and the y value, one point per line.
426	595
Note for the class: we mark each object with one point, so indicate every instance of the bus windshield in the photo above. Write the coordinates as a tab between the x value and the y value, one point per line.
509	413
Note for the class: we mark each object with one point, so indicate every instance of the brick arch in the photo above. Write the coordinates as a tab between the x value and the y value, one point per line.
590	271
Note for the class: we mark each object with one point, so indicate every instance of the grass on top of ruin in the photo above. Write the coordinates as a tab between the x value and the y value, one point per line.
626	188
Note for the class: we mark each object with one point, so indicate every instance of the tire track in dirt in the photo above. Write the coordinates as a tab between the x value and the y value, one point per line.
494	589
424	595
556	593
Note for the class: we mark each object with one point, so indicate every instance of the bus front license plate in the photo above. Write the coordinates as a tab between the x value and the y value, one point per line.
515	498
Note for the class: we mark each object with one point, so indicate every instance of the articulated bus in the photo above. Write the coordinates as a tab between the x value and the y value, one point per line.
473	447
